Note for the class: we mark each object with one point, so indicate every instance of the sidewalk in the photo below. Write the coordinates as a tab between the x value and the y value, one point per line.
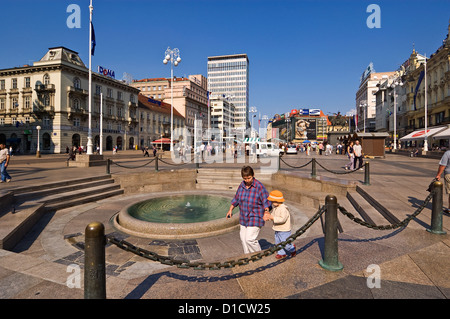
413	263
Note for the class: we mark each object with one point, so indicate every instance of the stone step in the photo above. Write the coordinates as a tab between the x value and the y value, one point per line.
377	204
39	187
84	200
365	210
77	194
63	189
17	222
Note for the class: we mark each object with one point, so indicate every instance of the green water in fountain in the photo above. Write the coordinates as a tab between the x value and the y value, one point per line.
181	209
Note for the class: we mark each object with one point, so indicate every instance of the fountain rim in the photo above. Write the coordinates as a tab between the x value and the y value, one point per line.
128	224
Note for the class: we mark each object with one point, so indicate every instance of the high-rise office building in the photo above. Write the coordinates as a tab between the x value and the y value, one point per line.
228	75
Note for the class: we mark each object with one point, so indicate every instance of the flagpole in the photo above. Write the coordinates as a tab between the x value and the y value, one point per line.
89	139
425	144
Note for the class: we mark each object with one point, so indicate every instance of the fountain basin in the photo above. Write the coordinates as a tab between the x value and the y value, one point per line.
180	216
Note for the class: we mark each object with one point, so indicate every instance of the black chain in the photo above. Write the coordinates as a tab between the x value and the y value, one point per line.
132	167
281	159
337	173
215	265
403	223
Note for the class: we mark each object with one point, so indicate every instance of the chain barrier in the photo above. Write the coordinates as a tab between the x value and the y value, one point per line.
214	265
175	164
281	159
403	223
335	172
132	167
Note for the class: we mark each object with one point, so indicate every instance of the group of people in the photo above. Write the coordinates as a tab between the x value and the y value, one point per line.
255	203
257	206
355	156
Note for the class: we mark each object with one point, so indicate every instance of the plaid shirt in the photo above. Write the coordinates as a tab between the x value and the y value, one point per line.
251	201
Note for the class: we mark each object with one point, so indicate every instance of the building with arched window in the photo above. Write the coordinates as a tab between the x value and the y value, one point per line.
54	94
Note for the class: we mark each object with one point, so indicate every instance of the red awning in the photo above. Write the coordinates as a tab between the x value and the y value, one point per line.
163	140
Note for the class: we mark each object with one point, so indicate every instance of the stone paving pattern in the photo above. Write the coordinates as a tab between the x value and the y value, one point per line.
413	262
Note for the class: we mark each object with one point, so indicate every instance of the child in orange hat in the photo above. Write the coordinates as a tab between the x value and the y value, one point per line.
281	218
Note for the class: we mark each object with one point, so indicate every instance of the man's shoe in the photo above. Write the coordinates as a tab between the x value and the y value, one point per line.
294	252
8	180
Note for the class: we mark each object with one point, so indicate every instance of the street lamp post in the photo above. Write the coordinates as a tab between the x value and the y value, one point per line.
172	56
38	150
394	87
425	143
252	110
364	105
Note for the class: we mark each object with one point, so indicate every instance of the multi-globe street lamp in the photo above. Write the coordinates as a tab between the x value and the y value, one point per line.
172	56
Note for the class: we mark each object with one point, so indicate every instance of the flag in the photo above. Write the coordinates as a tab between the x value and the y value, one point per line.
417	88
355	116
207	95
93	43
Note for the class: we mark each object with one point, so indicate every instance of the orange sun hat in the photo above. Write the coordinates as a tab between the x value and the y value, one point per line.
276	196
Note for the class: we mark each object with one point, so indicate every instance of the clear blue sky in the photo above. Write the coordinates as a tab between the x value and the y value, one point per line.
303	53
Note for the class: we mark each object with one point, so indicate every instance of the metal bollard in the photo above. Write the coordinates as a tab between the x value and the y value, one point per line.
156	164
366	174
330	259
436	210
94	262
313	168
108	166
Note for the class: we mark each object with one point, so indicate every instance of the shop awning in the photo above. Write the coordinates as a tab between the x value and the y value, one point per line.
251	140
420	134
163	140
443	134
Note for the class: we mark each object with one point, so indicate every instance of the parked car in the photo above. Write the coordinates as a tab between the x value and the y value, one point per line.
291	149
267	149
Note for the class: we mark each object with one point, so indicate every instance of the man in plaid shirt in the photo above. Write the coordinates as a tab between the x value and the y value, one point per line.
251	197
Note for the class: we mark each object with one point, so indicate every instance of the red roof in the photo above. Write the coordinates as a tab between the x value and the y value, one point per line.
157	106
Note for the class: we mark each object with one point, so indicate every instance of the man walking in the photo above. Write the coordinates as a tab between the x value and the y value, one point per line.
444	167
4	161
358	155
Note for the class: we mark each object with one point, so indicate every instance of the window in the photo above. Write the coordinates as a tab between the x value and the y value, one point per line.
27	102
119	96
2	104
14	83
76	104
77	83
2	84
27	120
46	79
2	121
46	100
46	121
98	89
14	102
27	82
76	122
109	92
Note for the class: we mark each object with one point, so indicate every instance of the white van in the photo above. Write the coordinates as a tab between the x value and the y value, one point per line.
267	149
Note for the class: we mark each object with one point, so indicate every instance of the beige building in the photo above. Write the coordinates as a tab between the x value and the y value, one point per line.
53	94
154	121
189	96
366	99
222	115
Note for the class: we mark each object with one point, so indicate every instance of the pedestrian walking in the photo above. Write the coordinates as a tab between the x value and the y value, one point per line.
146	152
4	161
358	155
351	157
251	197
444	167
281	218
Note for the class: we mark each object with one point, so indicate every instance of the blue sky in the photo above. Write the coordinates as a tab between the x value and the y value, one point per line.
303	53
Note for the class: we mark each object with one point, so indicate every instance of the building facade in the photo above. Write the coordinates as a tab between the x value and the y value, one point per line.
189	96
154	121
53	94
222	115
229	75
366	99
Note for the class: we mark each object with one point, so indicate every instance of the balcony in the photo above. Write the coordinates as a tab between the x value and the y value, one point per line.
44	88
72	89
